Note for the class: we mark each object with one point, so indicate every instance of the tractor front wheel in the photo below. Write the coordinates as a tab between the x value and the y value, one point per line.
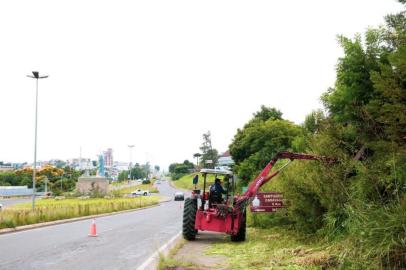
240	236
189	216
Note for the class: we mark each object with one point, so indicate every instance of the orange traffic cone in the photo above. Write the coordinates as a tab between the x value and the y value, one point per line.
93	228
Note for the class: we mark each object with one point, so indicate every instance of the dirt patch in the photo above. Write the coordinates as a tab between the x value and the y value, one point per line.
194	252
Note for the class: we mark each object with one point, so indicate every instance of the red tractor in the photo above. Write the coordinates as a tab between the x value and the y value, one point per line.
208	211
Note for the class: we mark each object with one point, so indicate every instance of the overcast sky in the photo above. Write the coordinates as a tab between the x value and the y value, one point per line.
158	74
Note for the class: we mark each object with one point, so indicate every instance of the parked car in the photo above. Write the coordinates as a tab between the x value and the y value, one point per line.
1	206
179	196
140	192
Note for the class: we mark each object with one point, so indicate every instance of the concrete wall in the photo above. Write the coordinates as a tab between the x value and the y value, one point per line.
86	184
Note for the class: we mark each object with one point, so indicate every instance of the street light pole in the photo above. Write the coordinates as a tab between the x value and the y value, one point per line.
35	75
131	158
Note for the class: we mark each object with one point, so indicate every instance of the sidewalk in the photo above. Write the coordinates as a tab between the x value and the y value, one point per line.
193	253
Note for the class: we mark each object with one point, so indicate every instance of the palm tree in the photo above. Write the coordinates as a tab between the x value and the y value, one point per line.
197	155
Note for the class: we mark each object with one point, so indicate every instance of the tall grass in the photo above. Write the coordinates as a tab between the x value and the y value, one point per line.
50	210
379	233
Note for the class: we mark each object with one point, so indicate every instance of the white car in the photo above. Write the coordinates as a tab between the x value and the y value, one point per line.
140	192
1	206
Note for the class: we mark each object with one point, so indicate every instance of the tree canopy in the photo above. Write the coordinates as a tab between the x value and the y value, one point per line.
362	198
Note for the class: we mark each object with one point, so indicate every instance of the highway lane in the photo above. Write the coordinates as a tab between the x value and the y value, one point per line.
124	241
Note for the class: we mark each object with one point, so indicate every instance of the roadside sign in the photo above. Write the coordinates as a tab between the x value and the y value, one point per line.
267	202
195	179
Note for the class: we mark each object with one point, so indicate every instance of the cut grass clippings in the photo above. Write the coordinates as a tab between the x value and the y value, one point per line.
274	248
51	209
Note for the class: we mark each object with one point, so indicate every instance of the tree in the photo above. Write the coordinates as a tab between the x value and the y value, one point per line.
208	152
157	168
60	163
354	88
178	170
313	121
147	169
172	167
254	146
266	113
197	156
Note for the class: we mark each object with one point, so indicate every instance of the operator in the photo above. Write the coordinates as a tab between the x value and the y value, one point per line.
217	187
215	192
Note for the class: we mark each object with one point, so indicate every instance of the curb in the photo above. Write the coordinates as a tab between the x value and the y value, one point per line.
152	262
63	221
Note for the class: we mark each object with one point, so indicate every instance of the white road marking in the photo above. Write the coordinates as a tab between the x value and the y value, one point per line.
149	263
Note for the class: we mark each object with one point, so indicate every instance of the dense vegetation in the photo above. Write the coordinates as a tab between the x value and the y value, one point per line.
58	180
177	170
137	172
360	201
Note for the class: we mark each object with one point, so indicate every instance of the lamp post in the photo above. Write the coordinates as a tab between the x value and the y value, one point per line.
131	158
35	75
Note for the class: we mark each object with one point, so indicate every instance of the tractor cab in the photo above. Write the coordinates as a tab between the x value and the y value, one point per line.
218	189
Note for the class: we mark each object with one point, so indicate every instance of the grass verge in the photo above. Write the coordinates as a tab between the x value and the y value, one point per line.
274	248
51	209
127	190
167	262
186	182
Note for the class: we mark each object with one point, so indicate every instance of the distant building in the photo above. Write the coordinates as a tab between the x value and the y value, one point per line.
6	168
108	158
225	159
38	166
81	164
121	166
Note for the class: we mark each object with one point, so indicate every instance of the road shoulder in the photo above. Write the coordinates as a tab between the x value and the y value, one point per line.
194	254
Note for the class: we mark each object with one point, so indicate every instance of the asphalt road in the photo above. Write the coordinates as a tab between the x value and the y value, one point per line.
124	241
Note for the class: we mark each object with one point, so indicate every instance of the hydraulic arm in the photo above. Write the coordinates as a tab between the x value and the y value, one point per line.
264	176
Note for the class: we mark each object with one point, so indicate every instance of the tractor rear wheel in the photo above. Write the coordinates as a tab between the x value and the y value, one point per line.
189	216
240	236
